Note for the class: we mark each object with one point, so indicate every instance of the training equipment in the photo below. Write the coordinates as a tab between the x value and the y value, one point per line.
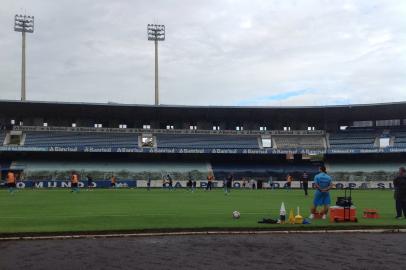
317	215
370	213
268	221
298	217
345	201
306	221
344	211
236	214
291	217
282	213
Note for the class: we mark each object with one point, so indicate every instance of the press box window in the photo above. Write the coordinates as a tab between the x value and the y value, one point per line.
147	141
15	138
362	123
266	142
384	142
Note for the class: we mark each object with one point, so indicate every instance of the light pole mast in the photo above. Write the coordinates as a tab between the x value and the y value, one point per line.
23	24
156	33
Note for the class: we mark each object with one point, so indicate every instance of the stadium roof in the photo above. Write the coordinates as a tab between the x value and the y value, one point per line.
378	111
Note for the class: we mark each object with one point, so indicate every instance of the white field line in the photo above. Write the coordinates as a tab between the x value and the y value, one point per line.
121	215
187	233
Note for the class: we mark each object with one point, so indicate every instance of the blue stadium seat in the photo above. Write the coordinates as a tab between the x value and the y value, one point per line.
207	141
353	139
73	139
400	138
2	137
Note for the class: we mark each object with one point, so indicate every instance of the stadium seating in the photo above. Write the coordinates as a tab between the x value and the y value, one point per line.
74	139
306	142
207	141
353	139
400	138
2	137
340	140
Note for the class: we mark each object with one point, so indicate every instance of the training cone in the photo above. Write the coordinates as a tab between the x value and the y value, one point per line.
298	217
291	217
282	213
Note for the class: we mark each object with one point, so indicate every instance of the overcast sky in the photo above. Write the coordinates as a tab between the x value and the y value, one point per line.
216	52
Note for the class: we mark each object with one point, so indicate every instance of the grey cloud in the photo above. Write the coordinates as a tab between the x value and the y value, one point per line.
216	52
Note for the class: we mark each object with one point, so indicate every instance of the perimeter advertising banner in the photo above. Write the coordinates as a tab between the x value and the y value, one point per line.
265	151
199	184
67	184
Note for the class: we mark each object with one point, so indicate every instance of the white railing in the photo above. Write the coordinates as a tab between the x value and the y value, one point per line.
170	131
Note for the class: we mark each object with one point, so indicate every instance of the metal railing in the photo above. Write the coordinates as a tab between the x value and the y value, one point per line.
169	131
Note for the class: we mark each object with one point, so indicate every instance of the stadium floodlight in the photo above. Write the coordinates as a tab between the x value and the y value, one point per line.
156	32
23	24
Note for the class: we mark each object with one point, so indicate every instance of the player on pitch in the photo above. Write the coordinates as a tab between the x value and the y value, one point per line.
113	182
228	184
74	180
323	184
210	179
11	181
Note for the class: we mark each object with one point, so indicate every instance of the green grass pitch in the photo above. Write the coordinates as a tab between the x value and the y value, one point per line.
137	209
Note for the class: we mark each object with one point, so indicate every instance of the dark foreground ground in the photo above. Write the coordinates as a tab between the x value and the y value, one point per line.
275	251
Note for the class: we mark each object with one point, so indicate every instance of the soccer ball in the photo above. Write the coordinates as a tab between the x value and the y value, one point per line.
236	215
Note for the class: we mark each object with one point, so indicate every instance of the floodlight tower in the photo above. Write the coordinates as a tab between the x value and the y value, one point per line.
23	24
156	32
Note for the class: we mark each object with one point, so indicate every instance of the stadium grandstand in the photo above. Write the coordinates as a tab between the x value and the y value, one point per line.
46	140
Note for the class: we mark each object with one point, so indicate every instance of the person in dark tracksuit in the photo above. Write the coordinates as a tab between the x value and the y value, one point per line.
194	185
170	182
228	184
189	184
89	181
305	182
399	184
149	183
